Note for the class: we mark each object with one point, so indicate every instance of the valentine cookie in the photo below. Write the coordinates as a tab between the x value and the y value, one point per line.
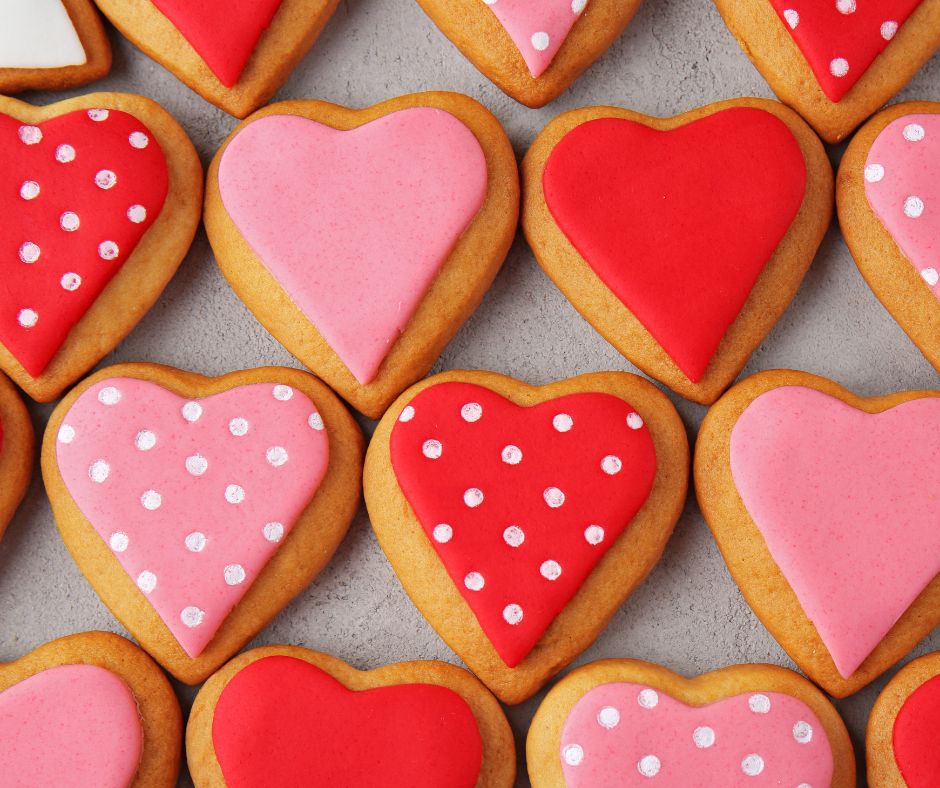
16	451
283	715
88	709
101	200
681	240
233	53
198	507
51	45
520	518
835	61
888	196
824	507
362	239
901	741
532	49
622	722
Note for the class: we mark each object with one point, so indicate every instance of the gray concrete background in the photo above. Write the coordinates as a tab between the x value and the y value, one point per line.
689	615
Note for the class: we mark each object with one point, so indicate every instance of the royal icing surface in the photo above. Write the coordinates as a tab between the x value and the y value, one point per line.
224	33
72	726
538	28
38	34
355	225
192	496
282	721
678	224
78	192
914	737
628	734
847	504
840	39
520	503
902	183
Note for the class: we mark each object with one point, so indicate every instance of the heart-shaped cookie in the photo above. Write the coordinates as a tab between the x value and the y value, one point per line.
901	741
51	45
680	240
362	239
414	724
815	497
625	722
888	195
233	53
88	709
835	61
163	486
100	203
532	49
16	451
518	519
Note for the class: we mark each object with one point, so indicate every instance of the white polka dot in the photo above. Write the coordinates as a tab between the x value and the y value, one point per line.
913	132
704	737
66	433
138	140
282	393
99	471
839	67
27	318
146	581
550	570
145	440
432	449
442	533
273	531
195	542
234	493
407	414
70	282
792	17
611	465
553	497
109	395
514	536
151	500
315	421
98	115
137	214
913	207
752	765
191	616
888	29
471	412
29	252
65	154
234	574
540	41
573	754
845	6
512	614
474	581
238	427
759	704
29	190
69	221
930	275
594	534
804	785
191	411
30	135
562	422
105	179
874	173
577	6
511	455
108	250
197	465
634	421
276	456
608	717
119	541
473	497
648	698
649	766
803	732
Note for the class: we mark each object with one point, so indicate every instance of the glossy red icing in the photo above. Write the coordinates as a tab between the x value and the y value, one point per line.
915	736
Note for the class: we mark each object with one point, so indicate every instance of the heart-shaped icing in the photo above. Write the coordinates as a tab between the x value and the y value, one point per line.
902	184
38	34
520	503
79	192
678	224
840	39
626	734
846	503
69	725
284	721
914	736
355	224
223	32
538	28
192	496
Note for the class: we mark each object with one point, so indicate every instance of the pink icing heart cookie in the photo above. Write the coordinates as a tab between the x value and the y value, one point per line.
517	518
889	210
631	723
16	451
88	709
163	487
362	239
532	49
806	554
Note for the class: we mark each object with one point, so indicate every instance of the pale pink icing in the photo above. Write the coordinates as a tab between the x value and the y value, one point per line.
192	508
629	734
902	183
355	224
69	726
538	28
847	503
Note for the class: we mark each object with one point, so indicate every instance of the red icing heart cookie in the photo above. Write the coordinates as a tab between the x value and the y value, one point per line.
681	240
16	451
522	505
101	201
411	724
162	483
